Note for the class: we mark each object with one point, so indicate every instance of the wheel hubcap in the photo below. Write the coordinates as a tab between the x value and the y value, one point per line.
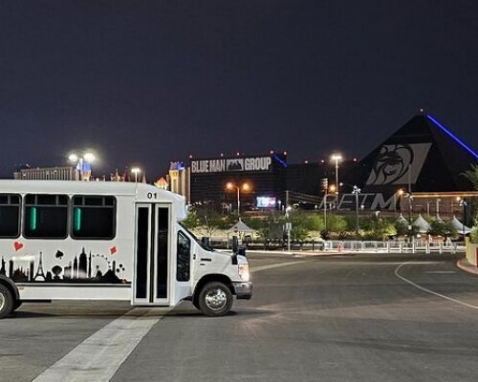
216	299
2	301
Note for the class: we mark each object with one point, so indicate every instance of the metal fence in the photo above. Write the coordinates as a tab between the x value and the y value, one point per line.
390	246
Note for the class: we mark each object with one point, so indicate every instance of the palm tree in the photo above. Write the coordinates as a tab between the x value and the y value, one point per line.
472	175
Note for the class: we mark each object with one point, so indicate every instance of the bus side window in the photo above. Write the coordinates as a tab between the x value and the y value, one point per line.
46	216
94	217
9	216
183	257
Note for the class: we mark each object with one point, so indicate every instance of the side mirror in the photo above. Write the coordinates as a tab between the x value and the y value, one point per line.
206	242
235	244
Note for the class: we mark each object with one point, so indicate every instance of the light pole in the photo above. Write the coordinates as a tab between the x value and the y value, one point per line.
399	193
332	190
410	200
356	191
136	171
83	164
336	158
438	208
245	187
463	203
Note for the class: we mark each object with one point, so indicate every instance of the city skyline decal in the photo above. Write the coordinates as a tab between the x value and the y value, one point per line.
84	268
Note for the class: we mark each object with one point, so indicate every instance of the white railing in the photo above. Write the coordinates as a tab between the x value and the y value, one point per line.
392	246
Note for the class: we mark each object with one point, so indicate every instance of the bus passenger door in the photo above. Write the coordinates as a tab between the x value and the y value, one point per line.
152	248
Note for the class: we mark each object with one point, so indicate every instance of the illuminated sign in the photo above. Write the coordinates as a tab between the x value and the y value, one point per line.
266	202
208	166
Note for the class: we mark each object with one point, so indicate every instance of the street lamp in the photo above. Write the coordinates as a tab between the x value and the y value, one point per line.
336	158
356	191
332	189
136	171
463	203
409	196
83	164
399	193
245	187
438	208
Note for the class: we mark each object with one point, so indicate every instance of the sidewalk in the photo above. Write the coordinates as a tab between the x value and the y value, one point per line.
464	265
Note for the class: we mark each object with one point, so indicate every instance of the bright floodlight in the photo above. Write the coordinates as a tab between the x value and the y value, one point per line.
89	157
73	158
336	157
230	185
135	170
246	187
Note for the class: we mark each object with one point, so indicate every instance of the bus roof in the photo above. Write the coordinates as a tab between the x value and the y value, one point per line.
137	190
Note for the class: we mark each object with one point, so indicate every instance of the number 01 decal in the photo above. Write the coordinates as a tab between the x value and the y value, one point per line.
152	195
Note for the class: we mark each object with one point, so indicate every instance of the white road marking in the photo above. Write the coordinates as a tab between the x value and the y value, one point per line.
440	272
430	291
264	267
99	356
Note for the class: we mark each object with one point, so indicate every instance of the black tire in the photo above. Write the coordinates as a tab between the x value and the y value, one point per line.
17	305
196	304
215	299
7	301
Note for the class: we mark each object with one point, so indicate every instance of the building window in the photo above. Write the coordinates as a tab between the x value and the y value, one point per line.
9	216
94	217
184	257
46	216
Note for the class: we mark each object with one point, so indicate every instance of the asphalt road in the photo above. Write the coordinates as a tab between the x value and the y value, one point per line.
359	318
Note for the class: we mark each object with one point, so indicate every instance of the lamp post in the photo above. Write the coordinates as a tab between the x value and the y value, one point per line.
438	208
136	171
332	190
410	200
83	164
336	158
356	191
245	187
399	193
463	203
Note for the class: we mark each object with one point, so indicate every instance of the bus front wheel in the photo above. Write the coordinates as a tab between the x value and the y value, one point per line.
215	299
6	301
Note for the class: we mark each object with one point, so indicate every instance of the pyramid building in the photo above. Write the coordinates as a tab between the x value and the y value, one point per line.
423	155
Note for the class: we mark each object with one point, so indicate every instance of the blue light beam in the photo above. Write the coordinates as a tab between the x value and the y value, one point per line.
453	136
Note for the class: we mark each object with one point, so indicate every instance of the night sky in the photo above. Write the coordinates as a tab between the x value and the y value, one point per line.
150	82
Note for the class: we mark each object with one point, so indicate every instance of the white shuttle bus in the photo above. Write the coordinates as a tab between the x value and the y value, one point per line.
63	240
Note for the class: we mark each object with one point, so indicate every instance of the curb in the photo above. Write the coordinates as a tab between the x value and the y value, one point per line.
303	254
470	269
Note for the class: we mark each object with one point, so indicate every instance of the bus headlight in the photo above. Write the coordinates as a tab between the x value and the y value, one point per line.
244	272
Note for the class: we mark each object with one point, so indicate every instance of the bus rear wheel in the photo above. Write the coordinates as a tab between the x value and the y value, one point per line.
215	299
7	301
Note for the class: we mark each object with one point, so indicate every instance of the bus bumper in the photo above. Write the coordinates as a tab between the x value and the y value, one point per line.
243	290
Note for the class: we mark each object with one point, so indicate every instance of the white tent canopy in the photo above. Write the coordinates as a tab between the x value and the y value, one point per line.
240	226
459	226
421	224
402	220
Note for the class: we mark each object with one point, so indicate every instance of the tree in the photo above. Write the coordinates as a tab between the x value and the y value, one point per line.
443	229
268	228
207	218
302	224
472	176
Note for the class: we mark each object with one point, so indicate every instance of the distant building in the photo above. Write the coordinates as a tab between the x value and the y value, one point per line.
47	173
179	179
162	183
418	169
